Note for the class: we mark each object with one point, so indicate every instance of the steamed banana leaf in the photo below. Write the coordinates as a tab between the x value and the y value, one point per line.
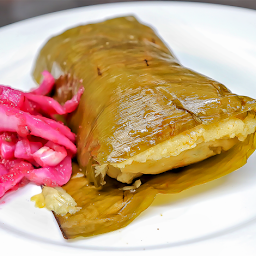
111	208
136	95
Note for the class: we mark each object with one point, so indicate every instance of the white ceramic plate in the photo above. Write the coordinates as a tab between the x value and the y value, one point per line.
218	218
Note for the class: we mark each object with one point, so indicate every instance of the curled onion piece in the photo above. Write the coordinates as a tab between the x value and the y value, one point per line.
14	176
51	107
59	127
50	155
46	104
52	176
72	104
14	120
25	148
46	86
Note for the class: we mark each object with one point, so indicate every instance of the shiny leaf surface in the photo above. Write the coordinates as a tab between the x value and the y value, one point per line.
136	94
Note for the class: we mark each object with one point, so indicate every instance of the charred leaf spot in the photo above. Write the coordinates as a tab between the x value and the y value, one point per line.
99	72
146	61
243	102
59	224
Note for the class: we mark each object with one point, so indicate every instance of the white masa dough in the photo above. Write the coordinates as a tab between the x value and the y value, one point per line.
186	148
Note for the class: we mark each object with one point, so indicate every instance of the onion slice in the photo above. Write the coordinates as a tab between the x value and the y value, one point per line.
51	107
14	176
52	176
50	155
14	120
46	86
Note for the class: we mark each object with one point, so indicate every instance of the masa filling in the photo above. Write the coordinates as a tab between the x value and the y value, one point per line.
186	148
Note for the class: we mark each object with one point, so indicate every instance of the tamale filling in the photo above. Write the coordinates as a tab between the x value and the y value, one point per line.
186	148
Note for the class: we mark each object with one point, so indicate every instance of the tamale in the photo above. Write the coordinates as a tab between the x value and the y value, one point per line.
141	112
137	96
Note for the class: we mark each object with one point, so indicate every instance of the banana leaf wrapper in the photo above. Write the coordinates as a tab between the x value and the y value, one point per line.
110	208
136	95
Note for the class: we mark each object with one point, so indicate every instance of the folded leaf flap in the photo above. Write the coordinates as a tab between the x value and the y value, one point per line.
110	209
